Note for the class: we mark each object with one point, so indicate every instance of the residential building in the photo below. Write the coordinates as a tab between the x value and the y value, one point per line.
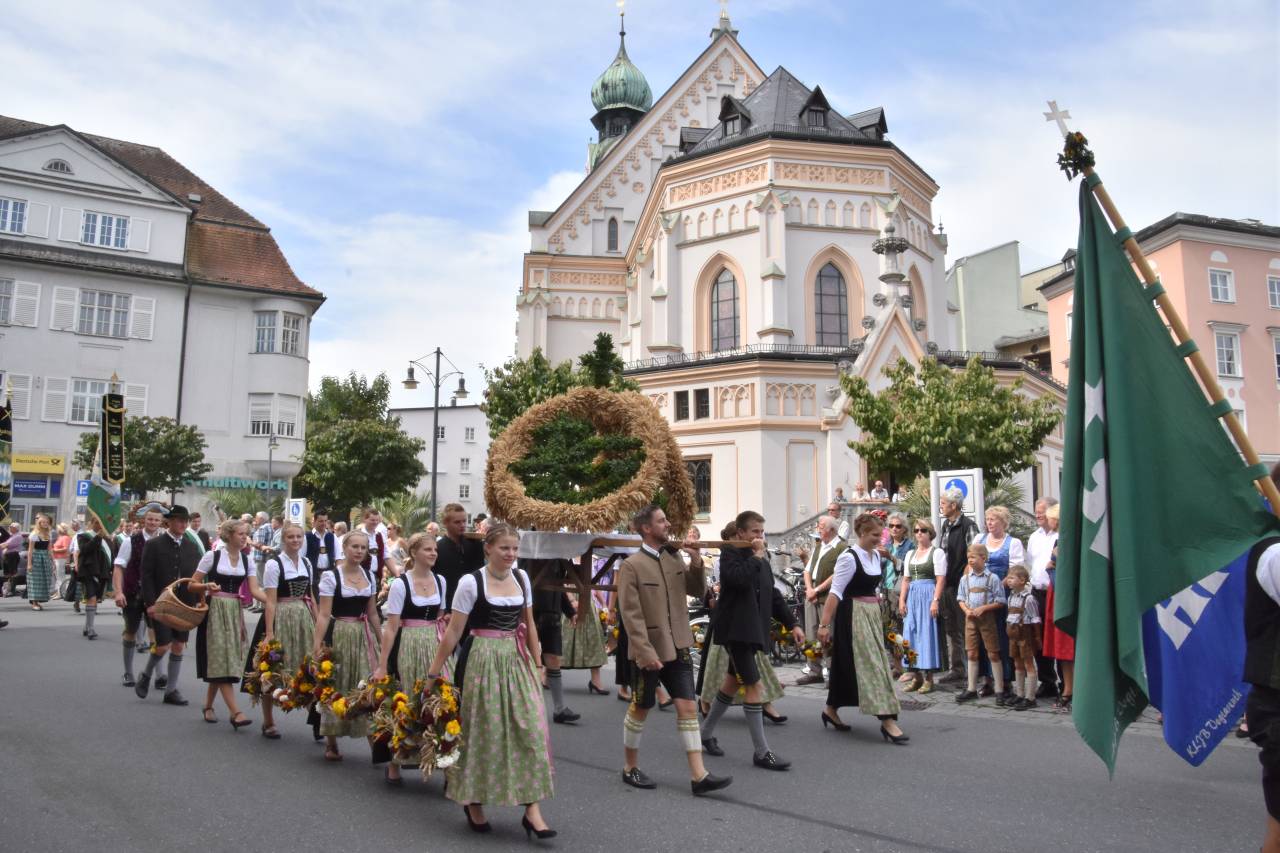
115	259
991	309
1223	277
745	241
462	448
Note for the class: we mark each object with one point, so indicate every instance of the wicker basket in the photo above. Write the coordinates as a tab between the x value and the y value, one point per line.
176	613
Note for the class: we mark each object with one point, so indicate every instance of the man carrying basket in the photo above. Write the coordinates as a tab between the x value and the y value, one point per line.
165	559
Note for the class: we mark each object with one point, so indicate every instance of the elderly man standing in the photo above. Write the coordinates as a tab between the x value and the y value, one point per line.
652	587
1039	552
958	532
818	574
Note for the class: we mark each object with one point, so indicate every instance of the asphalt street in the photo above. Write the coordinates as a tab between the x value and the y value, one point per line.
86	766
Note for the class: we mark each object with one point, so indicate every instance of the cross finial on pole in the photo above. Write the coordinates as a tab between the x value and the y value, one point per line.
1060	116
724	9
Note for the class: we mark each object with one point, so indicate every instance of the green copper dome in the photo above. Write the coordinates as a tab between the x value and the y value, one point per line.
621	85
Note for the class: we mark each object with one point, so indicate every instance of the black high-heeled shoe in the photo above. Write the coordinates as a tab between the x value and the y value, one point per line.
840	727
475	827
898	739
238	724
530	831
776	719
599	691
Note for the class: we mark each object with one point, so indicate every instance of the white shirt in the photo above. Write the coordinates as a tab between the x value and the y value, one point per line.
846	566
823	548
880	494
464	598
126	548
322	556
395	598
1040	551
292	569
328	586
1269	572
225	565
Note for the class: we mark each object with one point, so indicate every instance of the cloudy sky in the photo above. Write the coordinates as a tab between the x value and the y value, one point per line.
394	147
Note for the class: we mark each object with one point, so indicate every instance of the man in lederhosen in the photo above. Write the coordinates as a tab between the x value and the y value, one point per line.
652	588
126	581
165	558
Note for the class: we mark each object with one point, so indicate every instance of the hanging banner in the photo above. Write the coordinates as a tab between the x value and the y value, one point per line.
6	457
111	444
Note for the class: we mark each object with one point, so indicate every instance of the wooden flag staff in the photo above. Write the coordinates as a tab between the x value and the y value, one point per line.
1077	158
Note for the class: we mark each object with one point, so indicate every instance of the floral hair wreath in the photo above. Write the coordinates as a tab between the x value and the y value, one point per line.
624	412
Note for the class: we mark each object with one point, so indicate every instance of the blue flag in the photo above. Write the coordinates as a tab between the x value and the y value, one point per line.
1194	646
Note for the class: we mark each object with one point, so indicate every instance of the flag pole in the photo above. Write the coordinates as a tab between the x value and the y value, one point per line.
1076	157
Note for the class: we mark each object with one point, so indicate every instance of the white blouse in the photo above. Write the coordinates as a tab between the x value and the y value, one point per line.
1017	554
465	597
395	597
292	569
846	567
328	585
225	565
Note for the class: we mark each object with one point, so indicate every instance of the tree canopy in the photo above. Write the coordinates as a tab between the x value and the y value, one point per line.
160	454
356	451
942	418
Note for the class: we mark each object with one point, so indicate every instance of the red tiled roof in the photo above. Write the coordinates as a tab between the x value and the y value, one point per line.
225	244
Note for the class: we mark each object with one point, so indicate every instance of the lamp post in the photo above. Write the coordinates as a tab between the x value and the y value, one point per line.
272	444
437	379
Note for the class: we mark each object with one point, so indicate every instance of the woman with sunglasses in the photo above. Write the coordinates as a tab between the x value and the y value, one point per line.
925	571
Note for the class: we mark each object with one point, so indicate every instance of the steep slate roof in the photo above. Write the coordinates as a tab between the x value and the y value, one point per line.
225	244
774	109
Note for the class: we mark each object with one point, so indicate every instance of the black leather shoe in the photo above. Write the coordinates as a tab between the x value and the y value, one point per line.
636	778
710	783
966	696
162	681
127	681
143	686
769	761
173	697
1047	691
565	716
986	690
711	746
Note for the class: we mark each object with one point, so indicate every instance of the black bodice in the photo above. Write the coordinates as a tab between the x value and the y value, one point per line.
494	617
292	587
226	583
414	611
349	606
861	584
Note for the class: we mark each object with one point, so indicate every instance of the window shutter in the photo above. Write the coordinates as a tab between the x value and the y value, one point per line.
135	400
56	394
20	395
140	235
37	219
142	317
63	315
26	303
69	224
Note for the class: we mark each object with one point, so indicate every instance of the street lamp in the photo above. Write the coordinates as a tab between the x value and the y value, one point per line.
272	444
437	379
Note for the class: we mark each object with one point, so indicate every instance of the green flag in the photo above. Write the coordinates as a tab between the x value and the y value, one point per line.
1154	494
108	464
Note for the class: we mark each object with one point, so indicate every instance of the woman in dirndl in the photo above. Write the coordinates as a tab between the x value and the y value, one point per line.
221	639
411	633
288	613
859	668
506	755
39	563
347	622
584	643
925	572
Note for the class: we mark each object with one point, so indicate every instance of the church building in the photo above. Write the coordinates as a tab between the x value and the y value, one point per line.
744	241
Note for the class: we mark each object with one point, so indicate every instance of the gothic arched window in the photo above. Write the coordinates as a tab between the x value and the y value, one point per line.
831	308
613	234
724	312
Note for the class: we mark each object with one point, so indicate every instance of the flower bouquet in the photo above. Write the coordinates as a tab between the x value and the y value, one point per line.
367	698
267	677
313	683
442	739
900	649
811	651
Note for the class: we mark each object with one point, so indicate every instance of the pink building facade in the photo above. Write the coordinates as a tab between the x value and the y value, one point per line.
1223	276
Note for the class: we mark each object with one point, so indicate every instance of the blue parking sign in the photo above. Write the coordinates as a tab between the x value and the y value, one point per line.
82	488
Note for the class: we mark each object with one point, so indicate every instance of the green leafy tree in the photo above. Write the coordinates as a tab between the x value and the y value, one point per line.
410	510
522	383
356	451
942	418
160	454
236	502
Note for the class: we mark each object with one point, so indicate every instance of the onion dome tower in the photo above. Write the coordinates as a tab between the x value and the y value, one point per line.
621	95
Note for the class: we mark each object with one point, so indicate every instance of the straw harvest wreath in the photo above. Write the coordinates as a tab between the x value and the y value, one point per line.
624	413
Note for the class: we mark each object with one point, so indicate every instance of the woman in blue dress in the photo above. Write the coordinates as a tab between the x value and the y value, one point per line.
925	572
1004	551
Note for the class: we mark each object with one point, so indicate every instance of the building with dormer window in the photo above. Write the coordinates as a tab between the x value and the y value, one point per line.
744	241
116	259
